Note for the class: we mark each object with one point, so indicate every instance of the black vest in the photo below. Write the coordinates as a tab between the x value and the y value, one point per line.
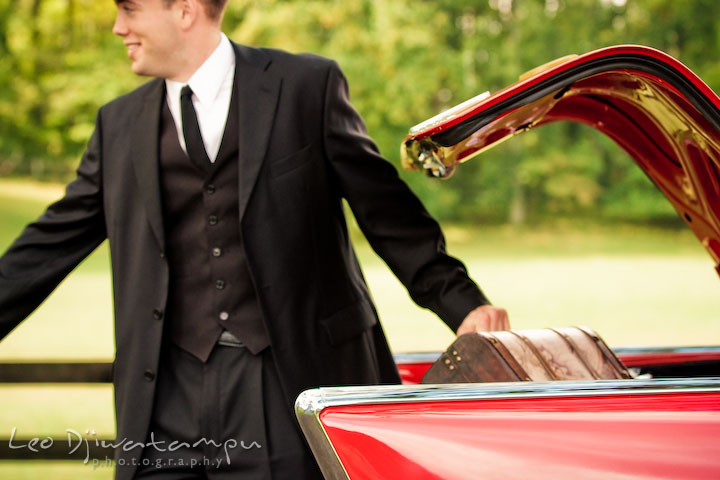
210	284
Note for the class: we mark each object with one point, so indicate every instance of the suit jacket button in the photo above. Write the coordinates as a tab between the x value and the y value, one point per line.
157	314
213	219
149	375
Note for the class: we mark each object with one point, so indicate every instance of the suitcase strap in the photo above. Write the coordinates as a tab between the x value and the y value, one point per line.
551	373
578	353
609	355
507	356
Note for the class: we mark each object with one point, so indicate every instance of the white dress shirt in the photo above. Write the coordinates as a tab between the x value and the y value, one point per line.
212	88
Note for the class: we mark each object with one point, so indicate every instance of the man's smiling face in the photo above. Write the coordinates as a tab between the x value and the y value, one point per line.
150	29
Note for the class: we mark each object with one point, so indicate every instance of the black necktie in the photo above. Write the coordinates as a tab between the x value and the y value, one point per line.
191	129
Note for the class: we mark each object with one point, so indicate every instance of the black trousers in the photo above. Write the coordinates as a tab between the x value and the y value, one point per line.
226	418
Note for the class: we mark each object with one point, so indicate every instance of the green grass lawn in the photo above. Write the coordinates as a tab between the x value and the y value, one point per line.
634	285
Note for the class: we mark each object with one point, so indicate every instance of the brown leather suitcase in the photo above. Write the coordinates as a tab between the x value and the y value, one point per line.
569	353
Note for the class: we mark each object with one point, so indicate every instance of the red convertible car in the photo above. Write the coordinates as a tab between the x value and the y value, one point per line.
665	422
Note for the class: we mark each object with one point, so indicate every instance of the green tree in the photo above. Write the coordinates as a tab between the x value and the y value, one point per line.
405	61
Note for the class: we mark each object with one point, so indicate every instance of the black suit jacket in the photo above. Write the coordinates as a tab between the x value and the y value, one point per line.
303	148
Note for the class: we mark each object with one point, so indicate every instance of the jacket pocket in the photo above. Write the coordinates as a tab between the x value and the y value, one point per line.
349	322
290	162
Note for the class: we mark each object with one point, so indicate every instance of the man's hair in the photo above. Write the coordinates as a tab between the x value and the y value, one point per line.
213	8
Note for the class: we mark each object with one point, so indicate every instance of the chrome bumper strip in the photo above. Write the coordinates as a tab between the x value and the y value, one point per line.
311	403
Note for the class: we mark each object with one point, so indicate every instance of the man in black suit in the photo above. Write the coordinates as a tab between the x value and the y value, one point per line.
219	187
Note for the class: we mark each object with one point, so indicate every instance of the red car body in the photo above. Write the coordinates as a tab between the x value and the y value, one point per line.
665	423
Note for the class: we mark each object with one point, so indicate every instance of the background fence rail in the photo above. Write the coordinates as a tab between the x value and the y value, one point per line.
47	448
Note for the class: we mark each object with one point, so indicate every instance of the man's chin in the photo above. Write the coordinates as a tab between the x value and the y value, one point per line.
139	69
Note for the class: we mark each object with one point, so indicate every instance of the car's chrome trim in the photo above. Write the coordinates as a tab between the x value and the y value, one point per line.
311	403
669	350
307	411
316	400
420	357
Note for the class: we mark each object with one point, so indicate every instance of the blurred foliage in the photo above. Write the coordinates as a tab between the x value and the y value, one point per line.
405	60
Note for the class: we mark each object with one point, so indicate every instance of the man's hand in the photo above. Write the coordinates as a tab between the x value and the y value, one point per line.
484	318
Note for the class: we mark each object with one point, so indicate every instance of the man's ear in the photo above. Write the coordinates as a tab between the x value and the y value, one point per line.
189	11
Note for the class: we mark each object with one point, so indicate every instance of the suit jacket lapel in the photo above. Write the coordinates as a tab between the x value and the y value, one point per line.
144	137
258	93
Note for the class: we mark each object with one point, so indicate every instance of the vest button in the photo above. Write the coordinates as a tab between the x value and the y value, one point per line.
224	316
216	252
219	284
157	314
210	189
213	219
149	375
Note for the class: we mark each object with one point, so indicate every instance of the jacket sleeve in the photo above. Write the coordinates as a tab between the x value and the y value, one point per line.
392	218
50	248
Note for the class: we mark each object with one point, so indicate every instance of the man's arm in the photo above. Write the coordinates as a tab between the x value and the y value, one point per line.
49	248
395	223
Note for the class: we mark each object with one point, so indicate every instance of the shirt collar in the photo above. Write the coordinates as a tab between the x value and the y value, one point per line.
207	80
